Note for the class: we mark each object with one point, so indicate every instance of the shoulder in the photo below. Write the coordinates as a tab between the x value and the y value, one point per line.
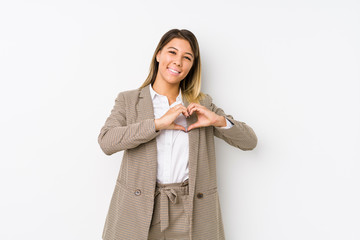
206	99
129	95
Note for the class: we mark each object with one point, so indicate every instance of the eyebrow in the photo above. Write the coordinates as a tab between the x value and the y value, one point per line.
178	50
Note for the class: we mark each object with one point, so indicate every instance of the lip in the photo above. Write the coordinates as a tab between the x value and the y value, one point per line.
172	73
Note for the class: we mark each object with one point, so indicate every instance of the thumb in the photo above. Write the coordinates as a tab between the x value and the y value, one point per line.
179	127
194	125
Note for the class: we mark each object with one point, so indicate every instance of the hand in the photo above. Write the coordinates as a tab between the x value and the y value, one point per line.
167	120
205	117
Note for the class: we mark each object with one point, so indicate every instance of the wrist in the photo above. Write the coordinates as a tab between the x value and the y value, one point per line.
158	125
220	121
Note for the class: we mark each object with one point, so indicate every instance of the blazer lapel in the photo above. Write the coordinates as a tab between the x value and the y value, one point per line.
193	152
145	107
145	110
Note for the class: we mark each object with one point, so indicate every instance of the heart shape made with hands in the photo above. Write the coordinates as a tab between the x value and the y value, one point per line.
205	117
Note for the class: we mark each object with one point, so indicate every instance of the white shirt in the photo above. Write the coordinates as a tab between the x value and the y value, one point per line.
172	145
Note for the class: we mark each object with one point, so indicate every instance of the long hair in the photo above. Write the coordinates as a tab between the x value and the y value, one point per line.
191	85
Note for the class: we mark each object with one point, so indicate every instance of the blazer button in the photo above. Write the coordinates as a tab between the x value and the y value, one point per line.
200	195
137	192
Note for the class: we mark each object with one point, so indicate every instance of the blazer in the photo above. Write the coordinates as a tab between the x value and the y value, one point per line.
131	127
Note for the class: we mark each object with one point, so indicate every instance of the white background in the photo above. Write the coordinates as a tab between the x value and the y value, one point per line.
289	69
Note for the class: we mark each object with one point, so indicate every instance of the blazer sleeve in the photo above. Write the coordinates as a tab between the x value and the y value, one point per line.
240	135
116	135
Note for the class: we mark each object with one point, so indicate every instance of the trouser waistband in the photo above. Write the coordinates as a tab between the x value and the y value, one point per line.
169	192
180	184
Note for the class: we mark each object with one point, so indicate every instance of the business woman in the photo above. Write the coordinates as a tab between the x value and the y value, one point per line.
166	187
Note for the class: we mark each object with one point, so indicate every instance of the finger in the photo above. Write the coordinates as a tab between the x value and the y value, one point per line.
179	127
182	109
178	106
191	105
177	109
191	108
197	109
194	108
185	112
194	125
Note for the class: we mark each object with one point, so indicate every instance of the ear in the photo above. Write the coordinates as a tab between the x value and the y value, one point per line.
158	55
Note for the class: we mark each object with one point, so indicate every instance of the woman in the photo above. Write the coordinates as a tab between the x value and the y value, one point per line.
166	187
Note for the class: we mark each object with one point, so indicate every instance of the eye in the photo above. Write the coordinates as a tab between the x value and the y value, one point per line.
172	52
188	58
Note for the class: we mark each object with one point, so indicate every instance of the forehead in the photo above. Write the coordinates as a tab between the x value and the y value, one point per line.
179	44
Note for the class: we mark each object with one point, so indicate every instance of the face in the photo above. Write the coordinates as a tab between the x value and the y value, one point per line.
175	61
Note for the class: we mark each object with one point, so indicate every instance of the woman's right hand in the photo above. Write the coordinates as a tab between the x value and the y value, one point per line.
167	120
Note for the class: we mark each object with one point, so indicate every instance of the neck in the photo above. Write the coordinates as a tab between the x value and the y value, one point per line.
171	91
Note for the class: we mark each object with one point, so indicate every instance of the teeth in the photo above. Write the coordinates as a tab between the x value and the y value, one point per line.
173	70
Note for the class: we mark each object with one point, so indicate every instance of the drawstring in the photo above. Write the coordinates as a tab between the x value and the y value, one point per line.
167	193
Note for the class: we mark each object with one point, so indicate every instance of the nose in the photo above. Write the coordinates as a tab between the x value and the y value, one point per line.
177	61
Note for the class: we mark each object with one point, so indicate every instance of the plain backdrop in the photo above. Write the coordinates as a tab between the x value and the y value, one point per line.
289	69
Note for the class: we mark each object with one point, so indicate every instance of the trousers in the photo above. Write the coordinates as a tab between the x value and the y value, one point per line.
170	219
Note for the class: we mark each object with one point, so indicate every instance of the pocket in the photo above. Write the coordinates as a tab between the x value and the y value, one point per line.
210	191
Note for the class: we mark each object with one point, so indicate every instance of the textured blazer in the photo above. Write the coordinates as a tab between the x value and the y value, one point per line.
131	127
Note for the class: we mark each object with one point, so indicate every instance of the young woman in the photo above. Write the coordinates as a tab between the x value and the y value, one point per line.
166	187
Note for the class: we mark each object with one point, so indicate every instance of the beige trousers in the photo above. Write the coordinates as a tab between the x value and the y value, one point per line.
169	220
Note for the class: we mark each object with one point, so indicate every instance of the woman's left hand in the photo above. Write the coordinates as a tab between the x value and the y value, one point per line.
205	117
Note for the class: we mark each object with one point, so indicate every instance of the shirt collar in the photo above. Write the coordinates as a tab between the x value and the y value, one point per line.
153	94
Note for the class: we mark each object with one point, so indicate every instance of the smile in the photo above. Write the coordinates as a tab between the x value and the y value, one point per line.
173	72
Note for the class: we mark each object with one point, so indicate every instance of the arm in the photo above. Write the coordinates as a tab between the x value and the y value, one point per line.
240	135
116	135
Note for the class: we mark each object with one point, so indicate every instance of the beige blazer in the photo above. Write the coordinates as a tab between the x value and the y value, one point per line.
131	127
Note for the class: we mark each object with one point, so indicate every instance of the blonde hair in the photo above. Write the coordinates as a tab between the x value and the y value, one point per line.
191	85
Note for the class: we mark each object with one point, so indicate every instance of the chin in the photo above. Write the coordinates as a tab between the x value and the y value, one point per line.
173	81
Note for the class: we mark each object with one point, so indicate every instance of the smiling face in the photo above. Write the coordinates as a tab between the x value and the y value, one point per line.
175	61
